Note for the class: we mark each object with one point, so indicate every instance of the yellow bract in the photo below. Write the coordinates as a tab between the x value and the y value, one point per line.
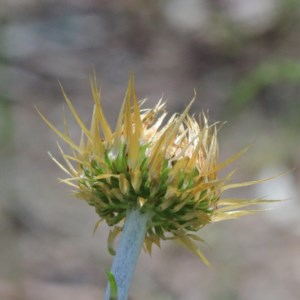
168	170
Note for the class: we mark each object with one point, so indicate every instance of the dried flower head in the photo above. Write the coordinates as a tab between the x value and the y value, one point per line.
167	169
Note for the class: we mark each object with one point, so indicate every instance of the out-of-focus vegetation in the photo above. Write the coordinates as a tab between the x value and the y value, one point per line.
267	76
6	122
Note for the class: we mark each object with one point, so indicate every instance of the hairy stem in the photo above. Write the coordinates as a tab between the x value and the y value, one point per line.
128	251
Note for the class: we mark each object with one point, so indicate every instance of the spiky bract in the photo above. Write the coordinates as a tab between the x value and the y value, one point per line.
167	169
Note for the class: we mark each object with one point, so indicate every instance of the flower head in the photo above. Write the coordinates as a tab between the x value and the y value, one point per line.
165	168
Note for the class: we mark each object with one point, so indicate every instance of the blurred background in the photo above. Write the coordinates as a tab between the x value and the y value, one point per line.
242	58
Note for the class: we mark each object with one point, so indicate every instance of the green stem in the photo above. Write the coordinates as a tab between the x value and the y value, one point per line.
128	251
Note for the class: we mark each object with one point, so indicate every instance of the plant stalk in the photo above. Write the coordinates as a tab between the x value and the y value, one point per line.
128	251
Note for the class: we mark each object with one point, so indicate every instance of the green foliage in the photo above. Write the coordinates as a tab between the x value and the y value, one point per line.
113	286
5	122
265	75
5	109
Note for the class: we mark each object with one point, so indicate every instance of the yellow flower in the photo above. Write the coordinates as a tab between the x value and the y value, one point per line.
167	169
